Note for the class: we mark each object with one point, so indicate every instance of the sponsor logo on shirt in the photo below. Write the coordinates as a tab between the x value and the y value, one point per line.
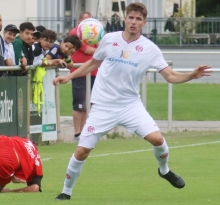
112	59
115	44
125	54
30	147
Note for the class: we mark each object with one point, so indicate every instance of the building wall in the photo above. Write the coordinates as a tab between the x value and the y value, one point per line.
17	11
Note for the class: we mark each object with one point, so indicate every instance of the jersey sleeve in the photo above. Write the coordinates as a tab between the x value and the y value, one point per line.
100	53
156	59
36	180
53	52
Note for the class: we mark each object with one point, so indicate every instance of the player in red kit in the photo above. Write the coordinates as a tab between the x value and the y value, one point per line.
19	163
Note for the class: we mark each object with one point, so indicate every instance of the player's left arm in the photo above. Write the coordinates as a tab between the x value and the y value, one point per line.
33	186
172	76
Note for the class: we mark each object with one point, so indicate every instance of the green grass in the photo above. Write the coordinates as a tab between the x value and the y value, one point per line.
190	101
128	177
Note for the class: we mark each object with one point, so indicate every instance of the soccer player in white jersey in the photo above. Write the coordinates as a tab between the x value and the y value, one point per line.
123	59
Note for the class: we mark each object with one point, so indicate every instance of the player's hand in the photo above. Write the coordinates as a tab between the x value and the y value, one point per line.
201	71
60	79
61	63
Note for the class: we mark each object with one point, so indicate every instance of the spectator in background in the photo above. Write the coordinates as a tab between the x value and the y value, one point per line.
19	163
37	33
40	28
82	55
2	49
4	53
36	37
41	48
63	49
10	32
23	50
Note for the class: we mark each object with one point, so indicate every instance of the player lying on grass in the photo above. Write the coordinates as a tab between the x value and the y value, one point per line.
19	163
123	58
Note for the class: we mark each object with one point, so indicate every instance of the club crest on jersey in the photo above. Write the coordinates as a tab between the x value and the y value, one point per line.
139	48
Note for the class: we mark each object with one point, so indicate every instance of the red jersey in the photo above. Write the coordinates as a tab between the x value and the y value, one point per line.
27	152
79	56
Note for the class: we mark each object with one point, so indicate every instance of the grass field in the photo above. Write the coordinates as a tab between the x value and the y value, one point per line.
190	101
124	172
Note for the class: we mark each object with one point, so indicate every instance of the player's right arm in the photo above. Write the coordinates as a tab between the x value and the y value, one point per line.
87	67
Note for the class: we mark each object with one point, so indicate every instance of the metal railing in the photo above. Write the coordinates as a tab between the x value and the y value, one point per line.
162	31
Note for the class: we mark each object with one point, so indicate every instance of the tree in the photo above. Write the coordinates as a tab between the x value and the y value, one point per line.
208	8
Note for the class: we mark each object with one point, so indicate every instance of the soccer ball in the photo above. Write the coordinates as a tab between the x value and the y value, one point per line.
90	31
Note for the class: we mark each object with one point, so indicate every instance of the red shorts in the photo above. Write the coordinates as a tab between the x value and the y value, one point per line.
8	160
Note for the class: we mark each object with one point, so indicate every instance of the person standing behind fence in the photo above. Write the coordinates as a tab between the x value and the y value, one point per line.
10	32
23	50
82	55
123	59
2	49
4	53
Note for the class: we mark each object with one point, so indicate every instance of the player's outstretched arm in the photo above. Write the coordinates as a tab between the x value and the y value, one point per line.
31	188
87	67
172	76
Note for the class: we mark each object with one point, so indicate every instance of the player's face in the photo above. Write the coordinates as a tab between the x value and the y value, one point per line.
134	22
66	48
9	36
27	36
0	22
46	43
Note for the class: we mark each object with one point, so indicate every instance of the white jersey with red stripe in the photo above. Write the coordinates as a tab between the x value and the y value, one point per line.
123	67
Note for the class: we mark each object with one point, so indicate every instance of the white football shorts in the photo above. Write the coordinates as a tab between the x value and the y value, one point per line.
103	119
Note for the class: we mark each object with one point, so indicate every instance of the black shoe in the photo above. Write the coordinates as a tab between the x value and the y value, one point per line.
174	179
63	196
